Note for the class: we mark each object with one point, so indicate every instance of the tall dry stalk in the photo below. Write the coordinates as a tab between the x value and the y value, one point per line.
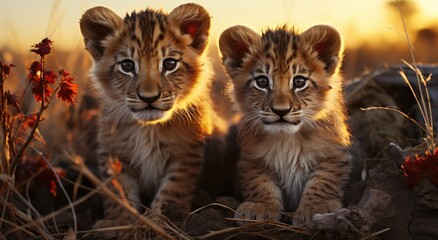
422	98
423	101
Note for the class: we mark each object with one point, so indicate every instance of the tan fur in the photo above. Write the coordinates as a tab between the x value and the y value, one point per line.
159	142
292	137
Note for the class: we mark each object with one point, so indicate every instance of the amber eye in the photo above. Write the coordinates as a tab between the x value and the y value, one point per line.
262	82
127	66
300	82
170	64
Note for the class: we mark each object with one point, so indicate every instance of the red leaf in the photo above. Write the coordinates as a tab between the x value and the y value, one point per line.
34	77
37	91
35	167
64	73
43	48
52	187
28	122
115	166
67	89
34	72
49	77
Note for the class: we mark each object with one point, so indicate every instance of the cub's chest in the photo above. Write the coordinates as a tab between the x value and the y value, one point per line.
284	154
144	149
289	159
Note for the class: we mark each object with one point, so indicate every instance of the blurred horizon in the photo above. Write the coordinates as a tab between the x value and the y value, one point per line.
26	22
372	30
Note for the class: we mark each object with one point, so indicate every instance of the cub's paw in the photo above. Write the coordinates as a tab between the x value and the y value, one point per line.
256	211
303	215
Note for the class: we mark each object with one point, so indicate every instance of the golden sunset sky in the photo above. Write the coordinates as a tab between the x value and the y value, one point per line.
25	22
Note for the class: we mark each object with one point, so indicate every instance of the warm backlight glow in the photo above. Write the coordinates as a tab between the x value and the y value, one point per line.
23	21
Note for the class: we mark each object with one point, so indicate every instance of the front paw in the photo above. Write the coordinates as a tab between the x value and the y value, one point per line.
256	211
304	214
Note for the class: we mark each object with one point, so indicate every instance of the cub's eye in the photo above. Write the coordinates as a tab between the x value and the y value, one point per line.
170	64
262	82
300	82
127	66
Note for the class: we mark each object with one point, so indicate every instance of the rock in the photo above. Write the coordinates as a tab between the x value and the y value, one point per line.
357	221
424	224
396	154
427	194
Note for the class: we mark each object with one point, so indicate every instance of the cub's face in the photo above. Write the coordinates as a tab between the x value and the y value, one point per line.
146	64
281	79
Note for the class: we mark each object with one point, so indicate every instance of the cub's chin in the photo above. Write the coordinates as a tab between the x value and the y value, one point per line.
282	127
150	116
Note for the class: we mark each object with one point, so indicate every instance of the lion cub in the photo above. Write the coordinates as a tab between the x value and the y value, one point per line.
153	81
292	133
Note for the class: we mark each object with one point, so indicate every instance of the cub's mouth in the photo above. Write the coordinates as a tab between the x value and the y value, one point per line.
148	108
283	121
150	113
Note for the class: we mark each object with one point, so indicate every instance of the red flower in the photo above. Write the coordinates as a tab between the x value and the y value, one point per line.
421	167
67	89
43	48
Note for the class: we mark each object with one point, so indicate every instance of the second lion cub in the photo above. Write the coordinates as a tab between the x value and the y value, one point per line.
292	134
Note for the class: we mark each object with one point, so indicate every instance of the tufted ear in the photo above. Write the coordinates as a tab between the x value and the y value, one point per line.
96	24
194	20
234	44
327	42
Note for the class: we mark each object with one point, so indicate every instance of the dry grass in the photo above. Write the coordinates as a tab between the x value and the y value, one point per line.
25	221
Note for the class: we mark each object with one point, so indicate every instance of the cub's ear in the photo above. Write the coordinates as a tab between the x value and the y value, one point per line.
234	44
194	20
327	42
96	24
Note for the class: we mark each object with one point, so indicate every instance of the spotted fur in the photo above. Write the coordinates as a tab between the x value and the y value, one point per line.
292	133
153	81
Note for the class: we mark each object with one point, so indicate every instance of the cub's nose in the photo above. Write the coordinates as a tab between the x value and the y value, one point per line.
281	112
148	99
